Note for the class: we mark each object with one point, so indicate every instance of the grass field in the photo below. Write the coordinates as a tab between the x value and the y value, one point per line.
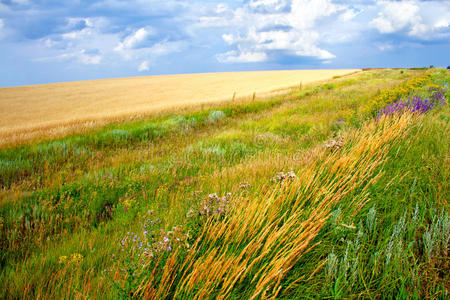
333	190
56	109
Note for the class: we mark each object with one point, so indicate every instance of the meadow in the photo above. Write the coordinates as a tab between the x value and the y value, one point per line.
332	190
29	112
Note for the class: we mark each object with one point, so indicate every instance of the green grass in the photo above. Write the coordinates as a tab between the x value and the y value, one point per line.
83	193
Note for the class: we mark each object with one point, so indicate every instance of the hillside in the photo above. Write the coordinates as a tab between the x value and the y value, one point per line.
333	190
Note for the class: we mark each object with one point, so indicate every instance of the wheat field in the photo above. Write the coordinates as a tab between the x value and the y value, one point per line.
55	109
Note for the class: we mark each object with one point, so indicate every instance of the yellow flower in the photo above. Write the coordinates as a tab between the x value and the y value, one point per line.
76	258
128	202
62	259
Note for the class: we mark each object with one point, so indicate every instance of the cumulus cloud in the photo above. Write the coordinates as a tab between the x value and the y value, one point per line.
135	39
143	66
146	45
82	28
425	20
349	14
269	6
262	28
88	58
397	16
83	40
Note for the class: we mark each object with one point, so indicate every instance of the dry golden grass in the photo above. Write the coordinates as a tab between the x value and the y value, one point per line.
55	109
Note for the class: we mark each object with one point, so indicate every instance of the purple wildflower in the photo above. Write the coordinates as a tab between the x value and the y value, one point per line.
415	104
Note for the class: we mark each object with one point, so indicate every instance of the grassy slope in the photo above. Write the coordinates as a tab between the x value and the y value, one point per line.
82	194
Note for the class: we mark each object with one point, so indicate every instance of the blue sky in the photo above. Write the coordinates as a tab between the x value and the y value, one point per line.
44	41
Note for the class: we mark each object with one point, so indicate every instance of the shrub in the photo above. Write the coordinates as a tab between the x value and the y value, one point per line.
216	115
116	136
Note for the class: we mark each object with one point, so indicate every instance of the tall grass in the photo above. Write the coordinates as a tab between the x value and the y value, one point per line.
263	237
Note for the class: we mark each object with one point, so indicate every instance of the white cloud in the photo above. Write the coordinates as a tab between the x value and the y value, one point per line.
222	8
2	24
262	27
348	15
397	16
268	5
91	28
135	39
426	20
143	66
235	57
88	59
442	23
84	41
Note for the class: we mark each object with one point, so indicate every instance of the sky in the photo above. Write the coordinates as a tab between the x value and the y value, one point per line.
44	41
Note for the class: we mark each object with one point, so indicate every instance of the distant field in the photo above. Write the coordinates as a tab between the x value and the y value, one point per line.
52	109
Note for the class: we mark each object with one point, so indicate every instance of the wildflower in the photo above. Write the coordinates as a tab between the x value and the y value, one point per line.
76	258
415	104
62	259
334	144
280	177
190	213
291	175
166	239
213	196
244	185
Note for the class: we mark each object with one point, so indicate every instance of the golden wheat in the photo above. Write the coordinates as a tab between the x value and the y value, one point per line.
54	109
